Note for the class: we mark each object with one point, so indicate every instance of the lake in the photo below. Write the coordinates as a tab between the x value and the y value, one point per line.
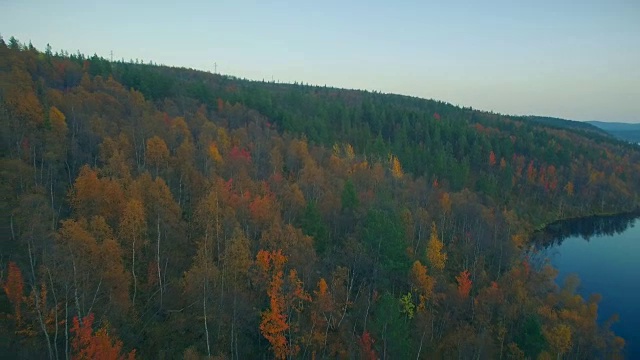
605	254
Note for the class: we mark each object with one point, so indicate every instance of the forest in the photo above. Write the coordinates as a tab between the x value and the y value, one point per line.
156	212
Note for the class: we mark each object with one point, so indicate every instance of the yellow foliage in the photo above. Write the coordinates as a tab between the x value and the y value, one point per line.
435	253
518	240
445	202
336	150
569	188
223	139
559	337
396	167
215	154
422	281
157	152
348	152
58	123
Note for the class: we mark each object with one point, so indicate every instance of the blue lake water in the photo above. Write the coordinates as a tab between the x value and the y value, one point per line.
605	254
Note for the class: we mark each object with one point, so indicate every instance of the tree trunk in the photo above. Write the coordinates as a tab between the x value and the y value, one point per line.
158	259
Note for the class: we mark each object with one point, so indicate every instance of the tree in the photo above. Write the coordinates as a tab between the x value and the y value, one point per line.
435	250
87	345
14	288
349	196
559	338
422	282
366	346
274	320
157	153
396	168
133	228
464	284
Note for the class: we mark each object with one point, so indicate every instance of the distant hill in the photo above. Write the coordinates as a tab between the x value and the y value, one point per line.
624	131
568	124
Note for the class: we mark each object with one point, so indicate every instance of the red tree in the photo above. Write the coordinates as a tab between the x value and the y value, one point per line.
95	346
14	287
464	284
492	158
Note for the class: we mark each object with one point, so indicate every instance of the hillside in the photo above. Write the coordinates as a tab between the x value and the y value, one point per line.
165	212
623	131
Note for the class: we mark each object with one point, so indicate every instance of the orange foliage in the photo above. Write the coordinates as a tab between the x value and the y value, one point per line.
274	320
95	346
445	202
263	208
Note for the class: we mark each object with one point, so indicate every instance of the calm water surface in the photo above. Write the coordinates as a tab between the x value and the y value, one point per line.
605	254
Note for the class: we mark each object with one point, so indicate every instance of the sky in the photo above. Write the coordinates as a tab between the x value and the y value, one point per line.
572	59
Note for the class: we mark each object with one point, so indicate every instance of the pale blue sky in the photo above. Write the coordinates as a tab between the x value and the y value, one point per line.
572	59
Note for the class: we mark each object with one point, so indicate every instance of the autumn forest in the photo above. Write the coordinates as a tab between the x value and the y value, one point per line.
156	212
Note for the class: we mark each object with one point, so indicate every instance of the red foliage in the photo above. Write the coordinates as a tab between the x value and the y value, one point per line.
166	119
262	208
220	105
436	116
25	144
464	284
366	346
531	172
99	345
237	153
277	177
14	287
527	267
435	183
492	158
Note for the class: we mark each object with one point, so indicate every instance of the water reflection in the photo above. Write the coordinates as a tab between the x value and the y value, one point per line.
586	228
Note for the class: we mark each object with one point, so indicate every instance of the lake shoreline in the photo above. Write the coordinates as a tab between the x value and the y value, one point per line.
546	225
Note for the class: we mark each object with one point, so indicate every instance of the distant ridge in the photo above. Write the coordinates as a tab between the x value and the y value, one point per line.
569	124
623	131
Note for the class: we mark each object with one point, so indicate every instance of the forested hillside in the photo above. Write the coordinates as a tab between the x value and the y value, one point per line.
159	212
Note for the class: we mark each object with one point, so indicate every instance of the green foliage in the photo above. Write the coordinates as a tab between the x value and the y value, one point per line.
530	338
349	196
312	224
407	306
390	326
384	235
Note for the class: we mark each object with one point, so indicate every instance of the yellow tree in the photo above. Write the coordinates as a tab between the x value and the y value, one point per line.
157	153
435	250
133	227
422	283
559	337
396	167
